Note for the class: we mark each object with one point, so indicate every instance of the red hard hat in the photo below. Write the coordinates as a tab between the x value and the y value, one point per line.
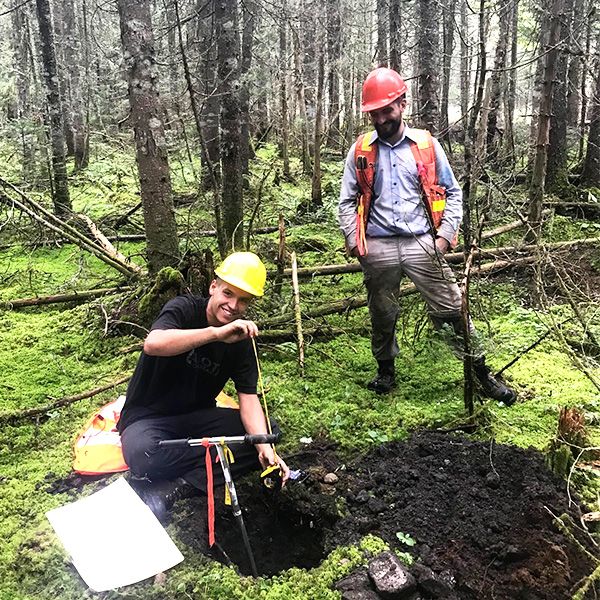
381	87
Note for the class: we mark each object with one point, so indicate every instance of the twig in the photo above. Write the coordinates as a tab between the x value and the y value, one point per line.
529	348
298	314
74	297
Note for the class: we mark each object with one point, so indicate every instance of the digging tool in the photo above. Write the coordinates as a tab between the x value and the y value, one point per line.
223	452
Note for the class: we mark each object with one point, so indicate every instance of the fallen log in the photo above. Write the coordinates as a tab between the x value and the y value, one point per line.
451	257
14	416
40	214
74	297
106	244
347	304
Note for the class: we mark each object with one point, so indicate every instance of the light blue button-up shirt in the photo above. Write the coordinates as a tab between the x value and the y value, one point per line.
397	205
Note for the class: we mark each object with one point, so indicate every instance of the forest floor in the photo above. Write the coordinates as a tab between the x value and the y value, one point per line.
482	516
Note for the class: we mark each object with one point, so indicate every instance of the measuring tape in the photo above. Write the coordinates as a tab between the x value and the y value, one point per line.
271	476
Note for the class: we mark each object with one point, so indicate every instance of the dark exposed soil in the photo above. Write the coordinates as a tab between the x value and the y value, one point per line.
480	513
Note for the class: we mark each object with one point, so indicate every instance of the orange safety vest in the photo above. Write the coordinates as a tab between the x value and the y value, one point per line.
434	195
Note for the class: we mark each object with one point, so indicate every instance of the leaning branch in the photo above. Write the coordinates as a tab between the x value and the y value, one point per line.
12	417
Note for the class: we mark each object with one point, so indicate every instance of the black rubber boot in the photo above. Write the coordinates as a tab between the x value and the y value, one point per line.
492	387
160	496
385	380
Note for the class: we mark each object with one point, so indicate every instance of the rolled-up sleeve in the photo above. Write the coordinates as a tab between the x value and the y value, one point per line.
347	205
454	209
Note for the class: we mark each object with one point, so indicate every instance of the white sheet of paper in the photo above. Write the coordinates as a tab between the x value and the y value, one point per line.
113	538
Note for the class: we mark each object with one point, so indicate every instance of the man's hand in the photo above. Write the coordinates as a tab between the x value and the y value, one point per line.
267	457
237	330
442	245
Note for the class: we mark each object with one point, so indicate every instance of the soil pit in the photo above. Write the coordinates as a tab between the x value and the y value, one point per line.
480	515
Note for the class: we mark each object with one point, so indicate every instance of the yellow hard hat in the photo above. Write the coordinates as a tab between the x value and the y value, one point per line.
244	270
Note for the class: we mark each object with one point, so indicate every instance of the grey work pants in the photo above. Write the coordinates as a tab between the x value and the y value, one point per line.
387	261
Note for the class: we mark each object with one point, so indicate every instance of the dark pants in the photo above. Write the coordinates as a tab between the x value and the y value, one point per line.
146	459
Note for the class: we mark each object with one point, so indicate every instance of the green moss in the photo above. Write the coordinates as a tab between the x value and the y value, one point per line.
169	283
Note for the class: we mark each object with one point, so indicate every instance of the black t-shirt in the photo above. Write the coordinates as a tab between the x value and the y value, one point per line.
175	385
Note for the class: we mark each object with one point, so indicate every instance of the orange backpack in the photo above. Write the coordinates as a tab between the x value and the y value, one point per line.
98	446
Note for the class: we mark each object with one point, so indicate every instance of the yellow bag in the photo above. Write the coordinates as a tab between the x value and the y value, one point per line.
98	447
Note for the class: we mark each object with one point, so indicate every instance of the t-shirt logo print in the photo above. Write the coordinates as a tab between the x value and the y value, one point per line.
202	363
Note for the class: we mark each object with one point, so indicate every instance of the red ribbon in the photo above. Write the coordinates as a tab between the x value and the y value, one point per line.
209	494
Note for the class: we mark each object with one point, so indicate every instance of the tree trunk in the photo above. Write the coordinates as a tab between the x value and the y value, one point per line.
538	81
283	93
591	165
22	58
334	49
228	43
75	106
536	191
465	64
577	48
211	107
428	69
508	148
382	33
316	198
146	117
556	167
396	36
448	29
494	138
60	186
582	91
249	15
301	99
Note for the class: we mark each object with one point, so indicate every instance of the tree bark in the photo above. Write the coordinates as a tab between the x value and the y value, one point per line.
60	186
151	148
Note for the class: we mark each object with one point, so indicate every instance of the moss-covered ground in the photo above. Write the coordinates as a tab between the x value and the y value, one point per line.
59	351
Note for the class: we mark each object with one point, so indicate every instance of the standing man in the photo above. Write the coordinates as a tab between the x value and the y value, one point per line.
400	210
193	348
